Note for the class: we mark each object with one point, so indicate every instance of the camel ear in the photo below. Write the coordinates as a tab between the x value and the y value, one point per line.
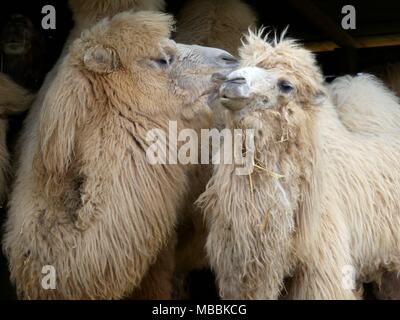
101	59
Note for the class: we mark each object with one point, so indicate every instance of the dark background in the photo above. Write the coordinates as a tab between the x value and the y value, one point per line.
374	18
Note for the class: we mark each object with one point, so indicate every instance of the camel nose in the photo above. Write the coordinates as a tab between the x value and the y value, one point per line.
238	80
218	57
225	60
234	93
228	60
214	58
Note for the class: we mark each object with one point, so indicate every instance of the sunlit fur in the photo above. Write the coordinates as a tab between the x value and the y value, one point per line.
365	104
220	24
13	100
336	204
88	202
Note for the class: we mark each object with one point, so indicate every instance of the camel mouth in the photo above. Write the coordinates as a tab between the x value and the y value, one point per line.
235	105
234	93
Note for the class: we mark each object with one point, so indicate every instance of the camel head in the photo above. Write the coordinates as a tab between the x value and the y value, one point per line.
133	52
17	36
195	65
275	91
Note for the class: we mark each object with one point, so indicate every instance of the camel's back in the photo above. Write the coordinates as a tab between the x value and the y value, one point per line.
362	176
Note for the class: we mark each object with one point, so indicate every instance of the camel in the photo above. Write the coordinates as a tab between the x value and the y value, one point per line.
23	51
85	15
219	24
89	203
321	205
365	104
13	100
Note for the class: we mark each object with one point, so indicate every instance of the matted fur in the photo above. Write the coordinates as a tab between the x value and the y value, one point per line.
365	104
86	200
220	24
335	206
13	100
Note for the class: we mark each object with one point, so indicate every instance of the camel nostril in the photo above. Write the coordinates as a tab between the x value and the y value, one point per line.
228	59
239	80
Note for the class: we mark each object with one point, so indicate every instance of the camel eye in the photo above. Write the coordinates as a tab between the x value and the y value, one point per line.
285	86
164	62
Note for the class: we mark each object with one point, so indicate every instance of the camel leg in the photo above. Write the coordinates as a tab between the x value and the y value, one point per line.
316	284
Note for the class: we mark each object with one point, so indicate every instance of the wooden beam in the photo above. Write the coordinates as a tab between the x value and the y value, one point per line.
362	42
323	22
379	41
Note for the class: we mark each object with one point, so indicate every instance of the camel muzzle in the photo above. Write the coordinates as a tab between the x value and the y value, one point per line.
234	93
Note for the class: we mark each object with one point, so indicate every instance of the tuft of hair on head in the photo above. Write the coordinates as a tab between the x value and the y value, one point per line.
257	44
261	49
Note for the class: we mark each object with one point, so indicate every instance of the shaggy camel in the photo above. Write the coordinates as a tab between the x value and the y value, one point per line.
85	15
321	205
13	100
219	24
365	104
89	203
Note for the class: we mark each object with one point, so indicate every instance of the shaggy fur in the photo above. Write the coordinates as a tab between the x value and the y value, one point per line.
365	104
219	24
13	100
86	13
86	200
320	198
